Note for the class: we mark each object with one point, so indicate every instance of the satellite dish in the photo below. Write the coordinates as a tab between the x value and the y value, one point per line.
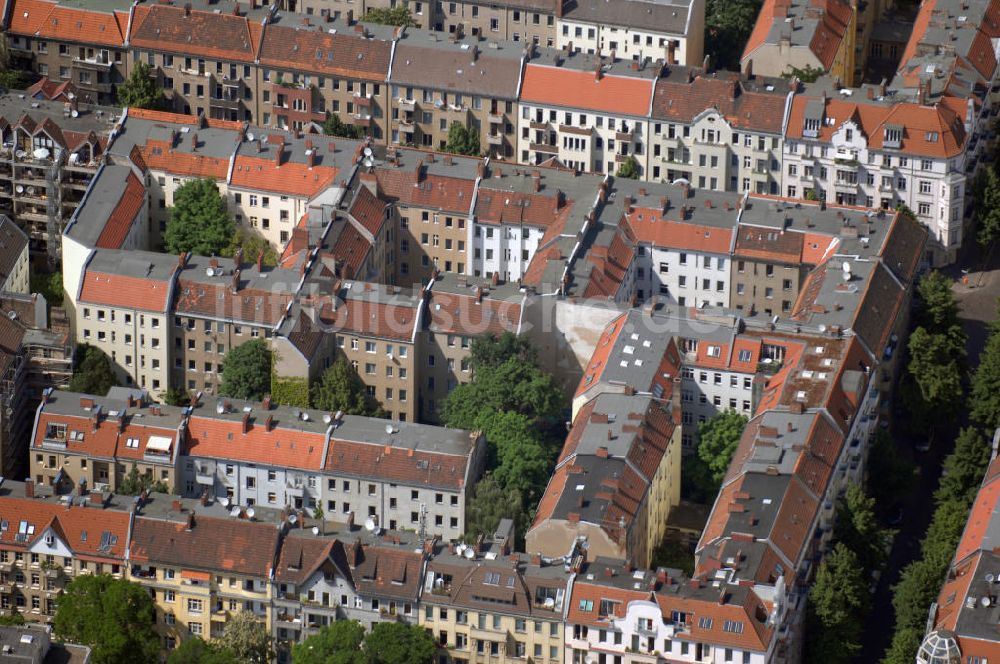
305	416
822	328
41	153
368	152
327	418
985	601
388	429
250	512
470	553
549	602
315	530
250	137
225	501
338	415
292	519
369	524
460	549
75	113
989	578
210	271
439	582
19	188
235	512
220	408
368	163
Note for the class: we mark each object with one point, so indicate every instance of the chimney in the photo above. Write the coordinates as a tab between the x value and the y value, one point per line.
269	423
238	257
246	423
260	261
559	8
86	402
475	52
155	410
235	285
190	520
495	279
173	138
748	69
598	73
279	148
194	401
310	157
182	260
194	142
96	499
706	63
203	499
266	402
29	488
871	93
187	9
671	53
602	451
881	87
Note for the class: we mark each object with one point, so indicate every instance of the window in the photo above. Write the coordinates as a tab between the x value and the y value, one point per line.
194	605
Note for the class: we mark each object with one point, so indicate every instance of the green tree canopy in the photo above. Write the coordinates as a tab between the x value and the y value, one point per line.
341	388
987	197
984	392
49	284
462	139
807	74
702	472
399	15
836	599
728	24
246	371
247	638
515	385
858	529
114	617
199	221
251	245
198	651
963	470
338	642
141	90
491	502
399	643
92	373
523	462
176	396
490	351
333	126
133	484
892	471
629	169
939	308
933	392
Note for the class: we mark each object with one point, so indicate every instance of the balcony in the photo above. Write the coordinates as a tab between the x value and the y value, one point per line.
495	139
408	105
495	118
99	62
204	477
542	147
538	125
845	185
292	620
624	136
228	103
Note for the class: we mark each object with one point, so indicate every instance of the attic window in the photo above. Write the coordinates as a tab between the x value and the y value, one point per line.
492	579
734	626
132	442
893	136
705	622
714	351
745	355
932	137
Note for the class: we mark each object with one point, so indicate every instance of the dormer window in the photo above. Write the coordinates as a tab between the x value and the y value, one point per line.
893	136
811	128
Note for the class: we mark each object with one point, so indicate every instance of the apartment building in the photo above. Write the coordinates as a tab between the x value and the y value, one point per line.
683	244
459	309
345	75
789	37
719	130
93	442
202	570
46	545
621	614
14	416
672	30
64	41
205	60
49	151
615	482
960	626
768	268
13	257
876	154
352	468
123	308
519	210
436	81
483	603
432	199
218	304
589	112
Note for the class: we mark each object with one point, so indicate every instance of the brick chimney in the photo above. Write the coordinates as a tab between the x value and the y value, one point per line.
260	261
269	423
29	488
187	9
190	520
246	423
235	285
194	142
266	402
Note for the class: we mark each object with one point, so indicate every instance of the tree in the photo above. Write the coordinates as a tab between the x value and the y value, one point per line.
491	501
199	221
984	391
933	392
338	642
918	586
133	484
246	371
890	473
333	126
629	169
399	643
141	89
943	534
50	285
15	619
728	24
398	15
340	388
515	386
490	351
905	643
807	74
176	396
115	617
248	639
197	651
92	373
836	599
462	139
523	462
988	206
939	308
857	528
251	245
963	470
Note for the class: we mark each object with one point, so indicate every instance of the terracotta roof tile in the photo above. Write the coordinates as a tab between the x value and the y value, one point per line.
661	230
217	438
351	251
119	224
454	313
368	210
40	18
88	531
370	318
745	109
126	292
289	179
555	86
317	51
159	156
413	467
432	191
199	33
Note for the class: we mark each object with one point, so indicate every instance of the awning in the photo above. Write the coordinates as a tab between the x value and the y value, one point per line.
159	443
195	576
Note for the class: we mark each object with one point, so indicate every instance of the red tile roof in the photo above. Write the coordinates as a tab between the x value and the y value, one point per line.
198	33
82	528
289	179
110	440
126	292
556	86
48	20
455	313
353	249
609	266
263	307
598	361
217	438
652	226
394	464
983	511
368	318
450	194
159	156
319	52
119	224
745	109
368	210
511	207
181	118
